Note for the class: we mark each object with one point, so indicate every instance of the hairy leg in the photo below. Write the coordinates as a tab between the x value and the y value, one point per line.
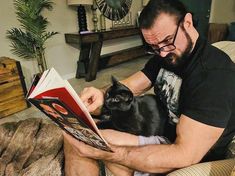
122	139
76	165
117	170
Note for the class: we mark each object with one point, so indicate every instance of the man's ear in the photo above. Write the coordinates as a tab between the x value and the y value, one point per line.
188	21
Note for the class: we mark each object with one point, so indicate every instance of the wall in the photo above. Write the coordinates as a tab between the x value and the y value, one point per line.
63	19
222	11
60	55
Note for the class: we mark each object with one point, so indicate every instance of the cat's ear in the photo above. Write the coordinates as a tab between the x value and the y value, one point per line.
114	81
131	96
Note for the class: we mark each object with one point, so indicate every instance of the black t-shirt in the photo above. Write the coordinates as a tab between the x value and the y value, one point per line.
202	89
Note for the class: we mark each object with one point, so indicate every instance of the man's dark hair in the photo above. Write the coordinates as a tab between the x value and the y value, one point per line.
155	7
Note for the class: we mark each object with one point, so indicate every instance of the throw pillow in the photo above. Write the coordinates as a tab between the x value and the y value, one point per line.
233	171
231	149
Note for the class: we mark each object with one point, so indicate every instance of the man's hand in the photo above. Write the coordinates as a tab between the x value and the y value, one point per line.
82	149
114	138
93	99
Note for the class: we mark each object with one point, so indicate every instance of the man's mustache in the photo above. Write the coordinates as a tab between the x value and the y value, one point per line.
170	58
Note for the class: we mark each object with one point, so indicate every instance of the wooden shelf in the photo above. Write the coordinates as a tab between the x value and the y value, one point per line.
91	43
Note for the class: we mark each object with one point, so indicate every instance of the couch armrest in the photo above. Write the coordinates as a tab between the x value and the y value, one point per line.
214	168
228	47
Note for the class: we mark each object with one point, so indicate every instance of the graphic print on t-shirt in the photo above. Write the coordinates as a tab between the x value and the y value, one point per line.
167	87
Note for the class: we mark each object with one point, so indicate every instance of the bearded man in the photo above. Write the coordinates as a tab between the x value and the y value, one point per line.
195	84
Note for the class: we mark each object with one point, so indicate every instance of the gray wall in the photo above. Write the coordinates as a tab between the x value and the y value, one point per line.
62	56
222	11
59	55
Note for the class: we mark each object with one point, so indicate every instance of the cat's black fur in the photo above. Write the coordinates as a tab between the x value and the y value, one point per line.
139	115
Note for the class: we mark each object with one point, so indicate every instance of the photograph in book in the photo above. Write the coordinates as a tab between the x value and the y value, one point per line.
57	99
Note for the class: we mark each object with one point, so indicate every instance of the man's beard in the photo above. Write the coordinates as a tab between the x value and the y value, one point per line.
178	61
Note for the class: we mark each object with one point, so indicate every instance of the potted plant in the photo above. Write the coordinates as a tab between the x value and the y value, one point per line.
28	42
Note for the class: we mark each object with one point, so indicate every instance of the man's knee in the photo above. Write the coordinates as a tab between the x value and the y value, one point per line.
77	165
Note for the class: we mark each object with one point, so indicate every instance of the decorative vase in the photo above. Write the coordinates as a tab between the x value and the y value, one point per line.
102	23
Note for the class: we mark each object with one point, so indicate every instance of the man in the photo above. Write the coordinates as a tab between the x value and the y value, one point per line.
195	83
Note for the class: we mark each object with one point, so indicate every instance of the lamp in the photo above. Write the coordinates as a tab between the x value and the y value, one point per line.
81	12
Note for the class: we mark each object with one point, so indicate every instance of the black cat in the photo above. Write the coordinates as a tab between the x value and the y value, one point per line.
140	115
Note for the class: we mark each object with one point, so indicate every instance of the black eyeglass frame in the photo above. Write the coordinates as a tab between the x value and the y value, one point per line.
166	48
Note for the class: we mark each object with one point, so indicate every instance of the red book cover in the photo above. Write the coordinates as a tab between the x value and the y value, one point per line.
57	99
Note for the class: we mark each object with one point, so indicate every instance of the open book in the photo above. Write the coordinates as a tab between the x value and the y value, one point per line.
57	99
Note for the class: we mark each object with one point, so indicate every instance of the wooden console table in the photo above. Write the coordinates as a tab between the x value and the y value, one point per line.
90	44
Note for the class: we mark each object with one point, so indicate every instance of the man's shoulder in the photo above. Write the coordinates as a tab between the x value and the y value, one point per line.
215	58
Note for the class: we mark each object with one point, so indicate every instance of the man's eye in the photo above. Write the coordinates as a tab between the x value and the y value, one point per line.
154	46
167	41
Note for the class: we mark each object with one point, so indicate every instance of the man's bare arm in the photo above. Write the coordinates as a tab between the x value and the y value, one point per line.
194	139
138	83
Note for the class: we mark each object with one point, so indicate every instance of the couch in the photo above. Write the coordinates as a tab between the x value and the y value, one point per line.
32	147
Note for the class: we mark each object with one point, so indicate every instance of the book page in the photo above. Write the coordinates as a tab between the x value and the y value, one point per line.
49	80
35	85
82	106
52	87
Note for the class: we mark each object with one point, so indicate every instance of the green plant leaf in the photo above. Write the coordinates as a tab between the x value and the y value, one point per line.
29	41
22	43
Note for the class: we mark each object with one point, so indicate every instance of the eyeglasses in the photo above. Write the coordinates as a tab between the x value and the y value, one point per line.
153	50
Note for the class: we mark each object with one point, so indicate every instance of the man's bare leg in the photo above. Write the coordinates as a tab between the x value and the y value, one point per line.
76	165
80	166
118	170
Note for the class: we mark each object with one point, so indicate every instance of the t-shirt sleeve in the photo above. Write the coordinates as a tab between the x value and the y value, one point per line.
208	98
151	68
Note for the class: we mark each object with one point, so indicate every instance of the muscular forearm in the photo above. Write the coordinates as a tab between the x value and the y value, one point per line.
150	158
137	83
105	88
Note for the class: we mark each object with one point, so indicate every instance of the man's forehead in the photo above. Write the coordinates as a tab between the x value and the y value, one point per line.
162	27
164	19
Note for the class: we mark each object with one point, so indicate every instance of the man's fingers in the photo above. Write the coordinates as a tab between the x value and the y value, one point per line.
92	98
93	106
80	147
86	94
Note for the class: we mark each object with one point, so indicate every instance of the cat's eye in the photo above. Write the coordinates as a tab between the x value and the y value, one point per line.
115	99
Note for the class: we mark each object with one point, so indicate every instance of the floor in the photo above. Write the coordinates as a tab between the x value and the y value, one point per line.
103	78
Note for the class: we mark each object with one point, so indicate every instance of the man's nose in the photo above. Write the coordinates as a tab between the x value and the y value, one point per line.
163	53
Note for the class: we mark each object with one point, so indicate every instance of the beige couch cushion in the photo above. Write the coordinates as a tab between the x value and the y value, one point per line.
228	47
215	168
233	172
32	147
